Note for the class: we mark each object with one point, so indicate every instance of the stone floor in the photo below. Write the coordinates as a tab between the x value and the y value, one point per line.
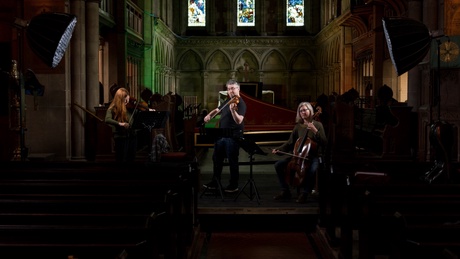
244	225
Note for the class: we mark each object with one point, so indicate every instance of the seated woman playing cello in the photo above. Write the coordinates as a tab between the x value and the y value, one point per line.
307	143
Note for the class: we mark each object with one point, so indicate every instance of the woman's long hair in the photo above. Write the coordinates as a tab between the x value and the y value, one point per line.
118	106
298	118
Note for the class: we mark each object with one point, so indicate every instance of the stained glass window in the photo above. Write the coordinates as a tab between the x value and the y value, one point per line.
246	13
295	13
197	13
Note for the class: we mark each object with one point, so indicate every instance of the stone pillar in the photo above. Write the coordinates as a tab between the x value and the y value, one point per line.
149	33
378	53
78	80
347	59
262	18
261	76
184	22
205	76
92	54
281	22
177	76
414	76
287	81
211	17
231	19
121	45
414	90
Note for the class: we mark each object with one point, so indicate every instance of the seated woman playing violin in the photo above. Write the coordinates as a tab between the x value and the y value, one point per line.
306	142
120	116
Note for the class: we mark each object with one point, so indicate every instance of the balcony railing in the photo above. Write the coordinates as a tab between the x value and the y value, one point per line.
107	6
134	16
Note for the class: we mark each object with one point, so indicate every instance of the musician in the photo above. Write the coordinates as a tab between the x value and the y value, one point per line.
305	124
120	116
226	146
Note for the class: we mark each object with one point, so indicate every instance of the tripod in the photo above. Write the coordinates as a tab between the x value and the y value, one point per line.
218	189
251	148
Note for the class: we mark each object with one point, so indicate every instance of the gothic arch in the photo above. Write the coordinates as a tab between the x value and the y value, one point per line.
164	53
274	60
218	61
190	61
398	6
170	56
329	54
302	60
246	56
334	55
247	66
159	50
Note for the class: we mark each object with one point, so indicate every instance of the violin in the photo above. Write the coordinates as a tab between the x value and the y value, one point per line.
134	104
235	99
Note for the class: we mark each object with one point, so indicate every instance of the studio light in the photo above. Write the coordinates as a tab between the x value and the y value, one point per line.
408	41
48	36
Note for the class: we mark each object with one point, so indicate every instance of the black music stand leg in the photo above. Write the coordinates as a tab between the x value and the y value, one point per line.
252	184
219	187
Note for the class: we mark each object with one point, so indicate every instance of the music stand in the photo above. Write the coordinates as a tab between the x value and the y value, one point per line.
251	148
151	120
214	134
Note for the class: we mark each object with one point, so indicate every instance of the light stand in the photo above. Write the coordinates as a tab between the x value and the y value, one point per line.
439	131
48	36
408	42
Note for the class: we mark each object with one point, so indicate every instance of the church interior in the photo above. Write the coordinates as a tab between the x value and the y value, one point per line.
385	74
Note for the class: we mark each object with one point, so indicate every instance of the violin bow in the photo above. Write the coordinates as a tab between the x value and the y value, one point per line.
289	154
223	106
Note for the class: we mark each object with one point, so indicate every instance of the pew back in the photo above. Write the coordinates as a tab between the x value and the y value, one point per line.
96	210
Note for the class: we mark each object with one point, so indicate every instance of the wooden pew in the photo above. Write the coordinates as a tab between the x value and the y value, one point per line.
354	133
94	210
401	217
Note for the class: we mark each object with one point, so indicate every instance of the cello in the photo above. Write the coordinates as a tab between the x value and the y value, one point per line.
300	162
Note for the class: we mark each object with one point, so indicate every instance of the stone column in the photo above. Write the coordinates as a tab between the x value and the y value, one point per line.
378	53
287	81
346	59
78	80
414	89
281	22
149	34
414	75
177	76
211	17
261	18
92	54
231	19
205	76
121	45
261	76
